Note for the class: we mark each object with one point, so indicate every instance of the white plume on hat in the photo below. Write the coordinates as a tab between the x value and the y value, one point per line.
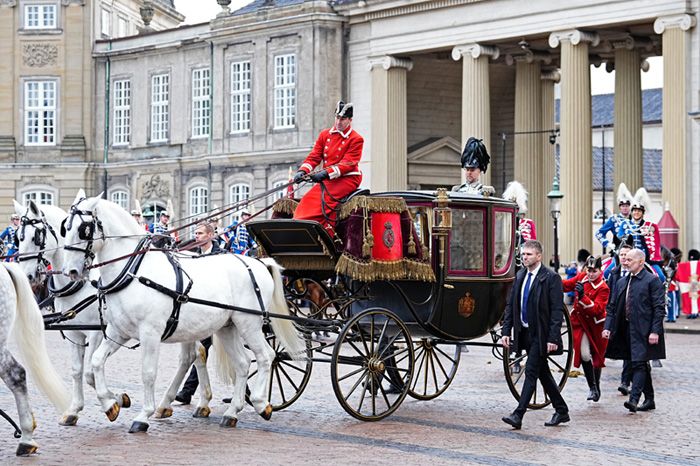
169	210
623	194
137	210
516	192
641	199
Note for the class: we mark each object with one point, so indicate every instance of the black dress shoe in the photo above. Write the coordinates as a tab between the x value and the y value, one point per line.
557	419
513	420
183	397
624	389
648	405
631	405
593	394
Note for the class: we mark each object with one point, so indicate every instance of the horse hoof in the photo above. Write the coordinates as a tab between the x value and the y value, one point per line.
163	413
138	426
26	449
113	412
228	421
203	411
126	401
69	420
267	413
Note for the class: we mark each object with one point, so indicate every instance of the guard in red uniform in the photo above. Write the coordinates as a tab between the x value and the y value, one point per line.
337	151
588	322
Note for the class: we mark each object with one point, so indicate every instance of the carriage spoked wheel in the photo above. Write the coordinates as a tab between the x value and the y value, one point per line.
435	368
372	364
288	377
306	297
559	365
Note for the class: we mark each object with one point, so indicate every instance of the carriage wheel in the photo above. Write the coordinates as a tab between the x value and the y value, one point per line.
435	368
559	365
372	364
306	296
289	377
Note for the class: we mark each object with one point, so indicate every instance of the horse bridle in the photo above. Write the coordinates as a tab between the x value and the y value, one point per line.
39	240
86	231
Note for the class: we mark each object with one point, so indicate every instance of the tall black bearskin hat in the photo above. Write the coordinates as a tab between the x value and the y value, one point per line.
594	262
475	155
343	110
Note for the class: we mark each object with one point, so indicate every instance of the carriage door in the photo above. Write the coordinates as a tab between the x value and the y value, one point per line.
468	247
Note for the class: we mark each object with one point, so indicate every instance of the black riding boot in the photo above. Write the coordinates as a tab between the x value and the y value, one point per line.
590	378
597	371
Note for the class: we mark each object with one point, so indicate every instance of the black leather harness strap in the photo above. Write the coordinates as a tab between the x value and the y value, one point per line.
256	287
179	297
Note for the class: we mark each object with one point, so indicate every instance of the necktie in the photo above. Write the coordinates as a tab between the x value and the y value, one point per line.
526	294
628	304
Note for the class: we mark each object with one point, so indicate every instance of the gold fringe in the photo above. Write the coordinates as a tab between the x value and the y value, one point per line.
367	271
305	262
285	206
373	204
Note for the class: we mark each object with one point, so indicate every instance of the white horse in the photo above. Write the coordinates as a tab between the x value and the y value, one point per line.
39	241
20	315
99	227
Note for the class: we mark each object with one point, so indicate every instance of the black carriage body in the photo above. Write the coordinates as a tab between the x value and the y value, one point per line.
472	280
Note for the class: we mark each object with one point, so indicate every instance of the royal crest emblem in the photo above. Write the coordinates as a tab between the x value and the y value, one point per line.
388	237
466	305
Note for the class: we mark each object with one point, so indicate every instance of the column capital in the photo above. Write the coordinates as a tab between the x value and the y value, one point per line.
8	3
684	22
529	57
73	2
475	50
575	36
388	61
551	75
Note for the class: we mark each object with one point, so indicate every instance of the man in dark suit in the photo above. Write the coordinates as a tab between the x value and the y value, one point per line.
619	272
634	325
534	312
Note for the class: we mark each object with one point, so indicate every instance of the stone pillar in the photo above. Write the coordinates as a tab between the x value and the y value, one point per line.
675	177
476	105
628	115
389	123
576	164
7	70
73	136
545	233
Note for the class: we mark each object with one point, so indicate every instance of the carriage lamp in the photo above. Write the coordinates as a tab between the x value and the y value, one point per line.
555	197
443	214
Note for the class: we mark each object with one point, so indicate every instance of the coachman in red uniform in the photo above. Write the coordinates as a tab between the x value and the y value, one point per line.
337	152
588	322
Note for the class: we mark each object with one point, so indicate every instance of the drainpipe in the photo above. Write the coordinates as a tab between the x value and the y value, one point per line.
105	154
210	142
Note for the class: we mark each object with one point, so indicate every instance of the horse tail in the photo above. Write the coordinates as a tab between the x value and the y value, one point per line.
29	333
224	367
284	329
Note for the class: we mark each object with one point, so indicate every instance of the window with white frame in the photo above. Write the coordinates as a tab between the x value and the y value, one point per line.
282	192
199	200
238	193
121	198
39	197
122	26
40	113
40	16
122	112
160	107
285	98
105	19
201	105
240	96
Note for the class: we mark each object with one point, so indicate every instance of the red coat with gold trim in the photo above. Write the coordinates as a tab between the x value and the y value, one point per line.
527	230
339	152
588	317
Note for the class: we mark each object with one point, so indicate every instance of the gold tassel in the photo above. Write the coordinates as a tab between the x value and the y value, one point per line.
368	244
411	245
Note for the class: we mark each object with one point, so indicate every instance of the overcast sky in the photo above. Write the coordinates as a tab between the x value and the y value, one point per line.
602	82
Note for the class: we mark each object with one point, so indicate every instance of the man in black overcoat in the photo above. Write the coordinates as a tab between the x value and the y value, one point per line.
534	313
634	325
619	272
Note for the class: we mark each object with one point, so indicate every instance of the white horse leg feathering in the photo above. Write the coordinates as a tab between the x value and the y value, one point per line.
221	279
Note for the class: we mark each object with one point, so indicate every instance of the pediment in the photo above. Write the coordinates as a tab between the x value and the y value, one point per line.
438	151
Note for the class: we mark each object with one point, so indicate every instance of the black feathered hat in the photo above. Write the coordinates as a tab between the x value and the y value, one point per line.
343	110
475	155
594	262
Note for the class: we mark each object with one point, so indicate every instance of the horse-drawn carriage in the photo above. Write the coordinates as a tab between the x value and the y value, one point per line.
434	278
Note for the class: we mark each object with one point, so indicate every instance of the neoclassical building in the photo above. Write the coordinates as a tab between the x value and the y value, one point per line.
424	71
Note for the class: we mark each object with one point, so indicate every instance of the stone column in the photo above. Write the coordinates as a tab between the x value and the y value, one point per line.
576	164
389	123
545	233
628	115
7	85
73	131
476	104
675	177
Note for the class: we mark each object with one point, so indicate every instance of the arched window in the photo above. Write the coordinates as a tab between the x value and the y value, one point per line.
121	198
39	197
237	193
199	200
282	192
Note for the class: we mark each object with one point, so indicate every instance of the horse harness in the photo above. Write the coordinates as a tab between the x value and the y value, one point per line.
39	240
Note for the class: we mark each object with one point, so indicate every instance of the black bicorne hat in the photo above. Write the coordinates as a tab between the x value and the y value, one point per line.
343	110
594	262
475	155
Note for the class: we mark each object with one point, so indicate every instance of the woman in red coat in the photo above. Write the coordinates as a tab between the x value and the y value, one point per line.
588	320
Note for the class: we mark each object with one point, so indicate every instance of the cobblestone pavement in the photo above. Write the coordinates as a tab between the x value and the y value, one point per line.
462	426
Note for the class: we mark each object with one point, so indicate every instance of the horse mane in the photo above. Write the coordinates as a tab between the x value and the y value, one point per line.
117	217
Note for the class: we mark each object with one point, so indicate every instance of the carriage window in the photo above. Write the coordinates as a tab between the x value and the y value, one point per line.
467	240
502	241
421	220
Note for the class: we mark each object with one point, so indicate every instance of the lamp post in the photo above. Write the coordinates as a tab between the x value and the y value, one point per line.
555	197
